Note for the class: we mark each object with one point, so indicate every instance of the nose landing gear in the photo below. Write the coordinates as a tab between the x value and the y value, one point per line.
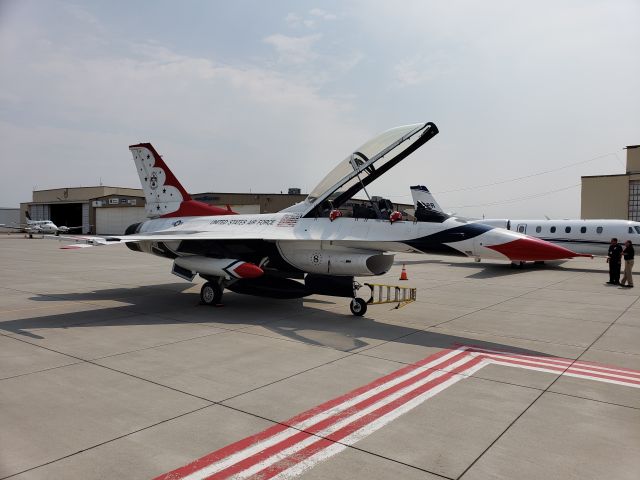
358	306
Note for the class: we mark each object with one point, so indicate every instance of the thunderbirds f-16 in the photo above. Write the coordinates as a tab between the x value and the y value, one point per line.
316	246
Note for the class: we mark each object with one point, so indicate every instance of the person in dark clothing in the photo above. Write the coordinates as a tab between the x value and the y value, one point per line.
614	258
628	252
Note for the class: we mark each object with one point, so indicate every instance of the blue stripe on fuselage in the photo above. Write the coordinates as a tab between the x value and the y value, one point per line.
437	242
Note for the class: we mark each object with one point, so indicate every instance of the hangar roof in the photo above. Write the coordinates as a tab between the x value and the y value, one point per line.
82	194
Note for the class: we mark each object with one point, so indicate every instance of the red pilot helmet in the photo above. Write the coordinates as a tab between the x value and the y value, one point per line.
395	216
334	214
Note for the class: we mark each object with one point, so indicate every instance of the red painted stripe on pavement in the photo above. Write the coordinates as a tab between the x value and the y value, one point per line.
558	360
597	366
334	437
504	359
605	377
275	429
327	422
572	369
604	368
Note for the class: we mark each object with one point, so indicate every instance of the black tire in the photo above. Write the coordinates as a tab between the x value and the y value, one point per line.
210	293
358	307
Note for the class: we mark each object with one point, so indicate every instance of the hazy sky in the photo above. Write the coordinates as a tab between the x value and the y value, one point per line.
262	96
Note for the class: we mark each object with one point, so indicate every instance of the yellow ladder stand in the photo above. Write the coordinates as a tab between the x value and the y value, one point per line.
381	294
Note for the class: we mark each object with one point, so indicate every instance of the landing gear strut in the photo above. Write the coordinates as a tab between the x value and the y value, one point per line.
358	307
211	293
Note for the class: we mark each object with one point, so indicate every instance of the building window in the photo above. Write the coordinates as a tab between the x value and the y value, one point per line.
552	229
599	230
634	200
567	229
538	229
583	229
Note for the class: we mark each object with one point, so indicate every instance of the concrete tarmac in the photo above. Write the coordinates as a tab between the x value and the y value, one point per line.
110	368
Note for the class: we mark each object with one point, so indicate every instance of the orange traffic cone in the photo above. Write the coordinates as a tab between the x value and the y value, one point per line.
403	275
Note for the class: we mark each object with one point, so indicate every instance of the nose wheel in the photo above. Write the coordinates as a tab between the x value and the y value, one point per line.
358	307
211	293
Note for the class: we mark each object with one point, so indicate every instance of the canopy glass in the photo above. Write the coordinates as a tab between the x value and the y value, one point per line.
368	162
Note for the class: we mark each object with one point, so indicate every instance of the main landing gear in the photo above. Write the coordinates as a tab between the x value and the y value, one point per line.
211	293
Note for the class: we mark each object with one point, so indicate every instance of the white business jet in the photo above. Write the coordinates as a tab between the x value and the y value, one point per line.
587	237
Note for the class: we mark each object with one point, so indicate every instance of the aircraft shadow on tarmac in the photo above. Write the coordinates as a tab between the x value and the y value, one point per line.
303	321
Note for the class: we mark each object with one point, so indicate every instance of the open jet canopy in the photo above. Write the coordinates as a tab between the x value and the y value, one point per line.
366	164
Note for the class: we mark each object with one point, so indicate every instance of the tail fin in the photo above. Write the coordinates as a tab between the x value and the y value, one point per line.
165	196
28	215
420	193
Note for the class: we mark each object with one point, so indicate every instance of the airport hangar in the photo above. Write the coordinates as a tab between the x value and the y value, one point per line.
104	210
614	196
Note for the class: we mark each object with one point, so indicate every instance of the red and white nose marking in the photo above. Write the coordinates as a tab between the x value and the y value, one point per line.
246	270
529	249
219	267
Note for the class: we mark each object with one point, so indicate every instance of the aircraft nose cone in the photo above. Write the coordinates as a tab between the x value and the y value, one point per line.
248	270
531	249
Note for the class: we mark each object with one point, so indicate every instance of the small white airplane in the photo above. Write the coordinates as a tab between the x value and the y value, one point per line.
313	240
587	237
40	227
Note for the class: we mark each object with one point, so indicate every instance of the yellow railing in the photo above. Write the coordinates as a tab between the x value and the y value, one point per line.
381	294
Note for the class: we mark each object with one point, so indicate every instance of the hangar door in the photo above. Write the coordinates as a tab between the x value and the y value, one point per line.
115	220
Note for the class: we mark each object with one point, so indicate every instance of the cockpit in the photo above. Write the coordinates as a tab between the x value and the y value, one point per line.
362	167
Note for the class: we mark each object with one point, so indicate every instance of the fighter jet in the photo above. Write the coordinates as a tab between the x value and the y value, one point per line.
316	246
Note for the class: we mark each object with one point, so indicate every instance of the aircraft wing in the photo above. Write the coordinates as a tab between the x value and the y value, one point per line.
14	227
83	241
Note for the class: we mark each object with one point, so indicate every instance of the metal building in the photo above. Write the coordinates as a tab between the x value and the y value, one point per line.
614	196
102	210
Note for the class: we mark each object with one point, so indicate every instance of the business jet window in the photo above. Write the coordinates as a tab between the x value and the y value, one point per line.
599	230
637	229
552	229
630	230
567	229
583	229
538	229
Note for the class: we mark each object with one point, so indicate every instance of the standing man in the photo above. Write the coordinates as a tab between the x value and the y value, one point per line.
614	258
628	253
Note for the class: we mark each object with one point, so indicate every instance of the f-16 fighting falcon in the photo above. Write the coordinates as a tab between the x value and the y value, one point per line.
316	246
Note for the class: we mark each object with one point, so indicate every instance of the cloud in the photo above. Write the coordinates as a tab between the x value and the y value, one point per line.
82	15
323	14
310	20
420	69
69	115
294	50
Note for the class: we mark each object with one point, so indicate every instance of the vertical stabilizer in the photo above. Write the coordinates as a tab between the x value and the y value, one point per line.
164	195
420	193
